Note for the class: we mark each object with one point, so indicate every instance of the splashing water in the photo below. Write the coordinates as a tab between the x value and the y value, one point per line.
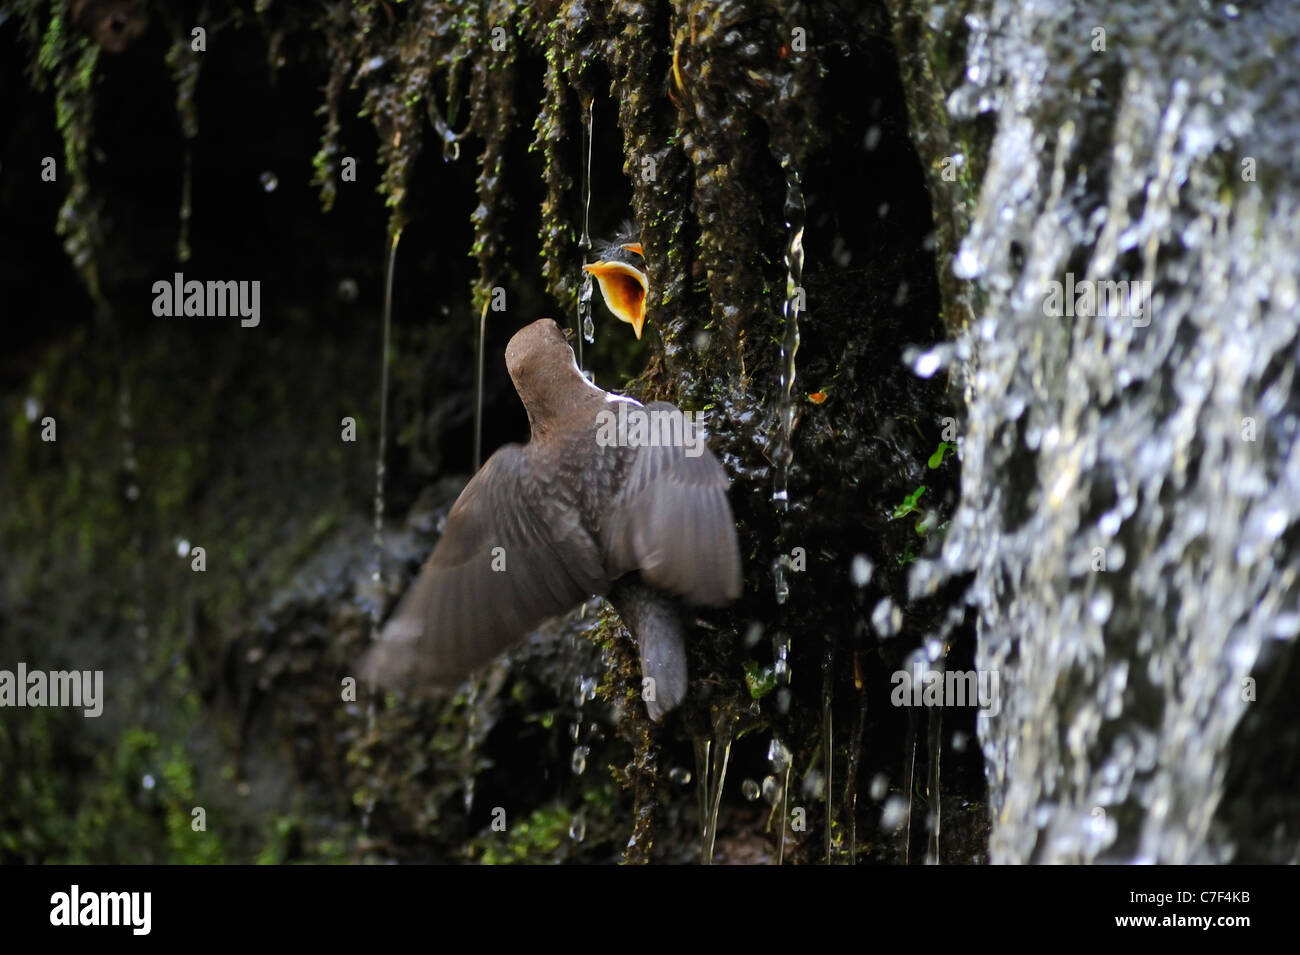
1131	472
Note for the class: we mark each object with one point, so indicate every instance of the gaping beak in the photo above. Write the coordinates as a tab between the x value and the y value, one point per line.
624	290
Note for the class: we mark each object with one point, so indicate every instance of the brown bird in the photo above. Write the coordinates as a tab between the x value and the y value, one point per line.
609	497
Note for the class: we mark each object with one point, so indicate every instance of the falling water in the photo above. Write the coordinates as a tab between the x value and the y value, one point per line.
586	327
782	760
783	452
478	388
376	576
828	744
186	206
185	68
377	572
1130	473
724	726
933	745
851	778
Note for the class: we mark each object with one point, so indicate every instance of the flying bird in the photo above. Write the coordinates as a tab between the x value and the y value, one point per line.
594	503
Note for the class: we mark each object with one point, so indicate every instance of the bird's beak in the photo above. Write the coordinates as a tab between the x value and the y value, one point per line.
624	290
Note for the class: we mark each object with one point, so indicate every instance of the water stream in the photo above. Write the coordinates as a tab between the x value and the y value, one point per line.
1130	470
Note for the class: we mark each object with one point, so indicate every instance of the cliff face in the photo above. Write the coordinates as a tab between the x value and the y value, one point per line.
823	192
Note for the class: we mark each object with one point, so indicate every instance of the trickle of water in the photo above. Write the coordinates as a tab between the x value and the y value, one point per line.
586	327
450	141
780	579
781	667
779	755
186	206
378	540
783	448
584	308
478	387
724	726
828	743
933	748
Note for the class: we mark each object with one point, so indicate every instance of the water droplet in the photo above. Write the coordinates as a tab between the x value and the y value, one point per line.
894	814
680	775
1100	606
813	784
861	570
879	786
887	619
182	547
32	408
578	828
779	755
148	782
347	290
753	634
749	789
771	790
579	761
269	181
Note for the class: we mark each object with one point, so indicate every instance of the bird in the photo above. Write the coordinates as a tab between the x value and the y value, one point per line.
619	269
590	505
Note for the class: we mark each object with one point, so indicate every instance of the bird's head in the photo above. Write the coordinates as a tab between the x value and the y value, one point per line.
543	368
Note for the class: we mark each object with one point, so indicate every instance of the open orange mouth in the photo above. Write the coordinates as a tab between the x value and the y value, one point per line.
623	288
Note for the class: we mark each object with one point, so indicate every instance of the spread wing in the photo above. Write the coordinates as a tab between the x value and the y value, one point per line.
505	563
671	520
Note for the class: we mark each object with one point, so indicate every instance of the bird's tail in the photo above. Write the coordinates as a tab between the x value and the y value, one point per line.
656	625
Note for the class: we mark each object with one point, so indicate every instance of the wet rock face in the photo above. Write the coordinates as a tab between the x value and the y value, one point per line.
466	120
1131	488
